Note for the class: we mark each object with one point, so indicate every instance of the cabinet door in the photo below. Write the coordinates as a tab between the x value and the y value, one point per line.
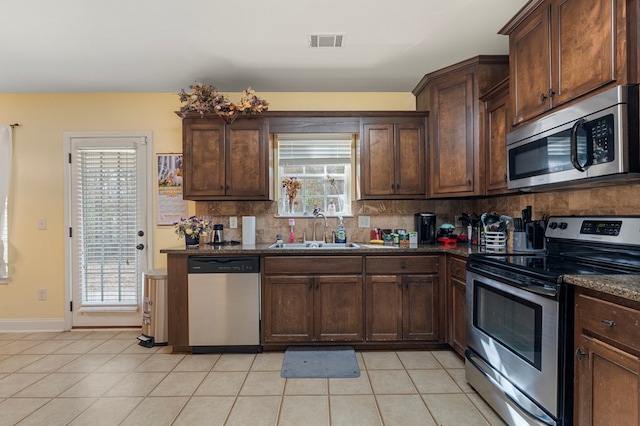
378	165
530	65
607	385
585	44
383	313
203	148
452	143
410	164
287	305
458	315
247	159
338	308
420	319
496	127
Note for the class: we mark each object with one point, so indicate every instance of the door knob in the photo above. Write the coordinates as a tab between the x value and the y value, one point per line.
140	233
140	247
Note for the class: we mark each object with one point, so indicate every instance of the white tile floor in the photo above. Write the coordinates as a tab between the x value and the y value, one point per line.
105	378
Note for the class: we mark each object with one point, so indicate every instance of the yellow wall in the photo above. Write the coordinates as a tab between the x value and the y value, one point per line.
37	183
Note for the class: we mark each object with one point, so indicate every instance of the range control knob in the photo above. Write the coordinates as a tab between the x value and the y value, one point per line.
563	225
553	225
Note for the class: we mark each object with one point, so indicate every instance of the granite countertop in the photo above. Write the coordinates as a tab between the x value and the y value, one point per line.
365	249
625	286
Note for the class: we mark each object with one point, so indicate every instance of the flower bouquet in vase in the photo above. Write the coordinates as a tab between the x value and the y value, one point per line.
291	185
191	229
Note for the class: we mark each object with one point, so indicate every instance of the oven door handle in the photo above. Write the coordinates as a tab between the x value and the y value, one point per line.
541	416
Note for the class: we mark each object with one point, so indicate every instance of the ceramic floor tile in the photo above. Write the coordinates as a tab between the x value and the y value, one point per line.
263	383
205	411
448	359
454	410
81	346
93	385
268	361
488	412
355	386
122	363
58	411
234	362
156	411
14	383
106	412
72	335
17	347
381	361
17	362
201	362
404	410
254	411
391	382
222	383
137	349
103	334
306	387
160	362
136	384
86	363
51	386
113	346
354	410
434	381
14	336
179	384
46	347
131	335
41	336
304	410
458	375
15	409
418	360
49	363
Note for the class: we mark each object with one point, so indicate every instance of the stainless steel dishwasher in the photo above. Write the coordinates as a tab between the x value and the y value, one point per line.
224	304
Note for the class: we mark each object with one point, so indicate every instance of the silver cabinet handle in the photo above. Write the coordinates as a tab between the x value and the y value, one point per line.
607	323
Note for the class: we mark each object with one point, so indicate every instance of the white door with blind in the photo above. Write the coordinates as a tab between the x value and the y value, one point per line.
108	214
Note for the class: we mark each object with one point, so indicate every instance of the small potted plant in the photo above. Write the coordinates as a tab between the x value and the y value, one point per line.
191	229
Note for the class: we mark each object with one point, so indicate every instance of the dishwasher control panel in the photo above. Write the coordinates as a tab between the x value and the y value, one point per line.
223	265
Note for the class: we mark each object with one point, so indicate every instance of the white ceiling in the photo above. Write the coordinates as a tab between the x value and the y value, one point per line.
166	45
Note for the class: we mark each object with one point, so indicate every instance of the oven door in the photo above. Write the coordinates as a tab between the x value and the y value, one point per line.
513	335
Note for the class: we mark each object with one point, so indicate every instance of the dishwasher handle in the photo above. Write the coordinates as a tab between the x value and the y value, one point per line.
223	265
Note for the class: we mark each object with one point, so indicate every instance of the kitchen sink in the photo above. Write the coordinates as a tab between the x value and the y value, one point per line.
315	245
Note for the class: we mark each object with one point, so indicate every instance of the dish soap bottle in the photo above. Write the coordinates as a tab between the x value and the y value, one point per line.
341	235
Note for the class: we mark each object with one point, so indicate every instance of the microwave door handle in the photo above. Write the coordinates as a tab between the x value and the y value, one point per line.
574	148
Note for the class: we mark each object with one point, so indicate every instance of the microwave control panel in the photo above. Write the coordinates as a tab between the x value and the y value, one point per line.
602	141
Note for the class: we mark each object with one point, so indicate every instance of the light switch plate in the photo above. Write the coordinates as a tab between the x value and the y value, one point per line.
42	223
233	222
364	221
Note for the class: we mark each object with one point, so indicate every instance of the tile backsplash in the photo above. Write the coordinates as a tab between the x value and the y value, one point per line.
608	200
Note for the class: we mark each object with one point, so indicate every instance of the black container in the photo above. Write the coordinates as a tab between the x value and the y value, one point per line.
426	227
218	237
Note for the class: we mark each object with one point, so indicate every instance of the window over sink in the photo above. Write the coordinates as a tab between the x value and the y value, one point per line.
324	164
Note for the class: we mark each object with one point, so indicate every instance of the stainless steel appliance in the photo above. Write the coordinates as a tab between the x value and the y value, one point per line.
594	139
520	316
154	309
426	227
224	304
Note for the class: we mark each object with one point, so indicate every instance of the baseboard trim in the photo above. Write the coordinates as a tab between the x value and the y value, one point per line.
31	325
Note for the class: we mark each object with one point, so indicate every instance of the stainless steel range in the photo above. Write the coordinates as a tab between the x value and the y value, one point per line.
520	317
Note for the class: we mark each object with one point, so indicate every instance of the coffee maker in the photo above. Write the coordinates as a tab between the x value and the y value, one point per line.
426	227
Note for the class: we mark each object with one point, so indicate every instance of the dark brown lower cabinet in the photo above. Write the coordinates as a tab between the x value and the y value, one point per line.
457	304
404	303
607	361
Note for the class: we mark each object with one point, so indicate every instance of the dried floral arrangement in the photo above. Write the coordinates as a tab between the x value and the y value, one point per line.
292	185
204	98
192	227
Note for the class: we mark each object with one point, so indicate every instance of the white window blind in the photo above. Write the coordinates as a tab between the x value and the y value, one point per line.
107	232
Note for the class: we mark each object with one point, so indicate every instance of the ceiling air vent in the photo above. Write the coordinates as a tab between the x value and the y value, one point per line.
325	40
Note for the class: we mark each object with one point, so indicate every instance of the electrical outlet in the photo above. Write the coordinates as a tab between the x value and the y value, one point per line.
42	294
364	221
42	223
233	222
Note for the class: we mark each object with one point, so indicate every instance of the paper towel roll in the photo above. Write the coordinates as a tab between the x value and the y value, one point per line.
248	230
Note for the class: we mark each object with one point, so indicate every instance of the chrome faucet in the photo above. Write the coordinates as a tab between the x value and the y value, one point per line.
316	214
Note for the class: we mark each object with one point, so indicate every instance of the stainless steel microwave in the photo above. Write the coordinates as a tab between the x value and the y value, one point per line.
595	139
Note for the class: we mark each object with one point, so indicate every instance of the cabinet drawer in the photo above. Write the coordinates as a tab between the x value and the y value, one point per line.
609	320
402	264
458	268
308	265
